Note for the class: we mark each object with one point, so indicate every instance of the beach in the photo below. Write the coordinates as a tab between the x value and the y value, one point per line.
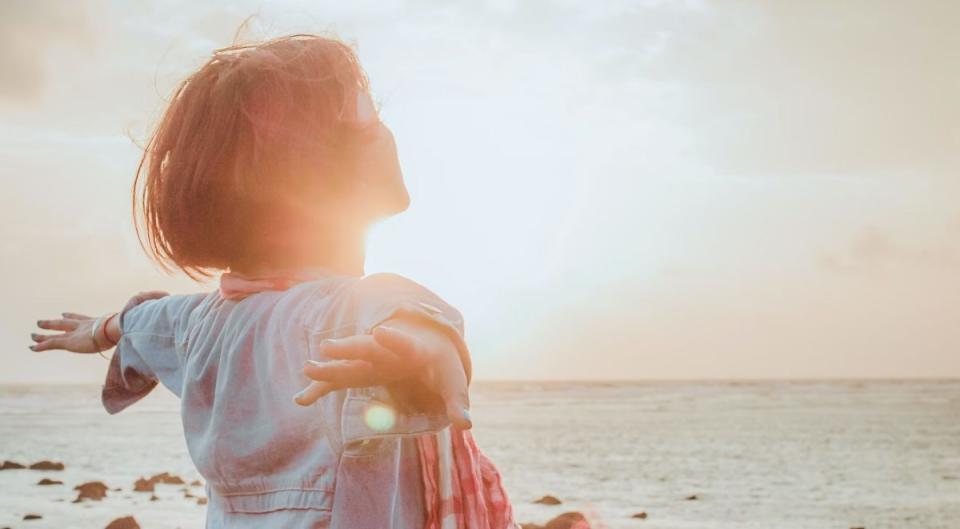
842	454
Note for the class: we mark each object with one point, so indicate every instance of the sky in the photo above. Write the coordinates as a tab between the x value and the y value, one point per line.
606	190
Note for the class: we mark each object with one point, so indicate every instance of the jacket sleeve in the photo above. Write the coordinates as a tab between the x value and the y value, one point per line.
382	297
376	299
152	349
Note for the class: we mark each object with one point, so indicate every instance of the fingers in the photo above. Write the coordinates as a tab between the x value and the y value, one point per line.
343	373
37	337
46	343
451	383
58	325
313	392
401	343
76	316
331	376
361	347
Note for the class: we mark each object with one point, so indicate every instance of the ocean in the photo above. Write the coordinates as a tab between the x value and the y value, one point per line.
804	455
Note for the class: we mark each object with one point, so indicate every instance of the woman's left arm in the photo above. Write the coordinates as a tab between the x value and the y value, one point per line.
425	365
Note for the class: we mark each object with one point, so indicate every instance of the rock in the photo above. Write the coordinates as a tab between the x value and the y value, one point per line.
692	497
568	520
149	484
188	495
640	515
94	490
196	483
10	465
548	500
127	522
48	481
32	517
167	479
857	528
153	497
201	501
143	485
46	465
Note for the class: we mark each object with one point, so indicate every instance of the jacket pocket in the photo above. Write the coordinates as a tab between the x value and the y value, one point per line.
369	416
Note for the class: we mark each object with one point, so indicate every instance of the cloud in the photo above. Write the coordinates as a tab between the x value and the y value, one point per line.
28	32
873	248
784	88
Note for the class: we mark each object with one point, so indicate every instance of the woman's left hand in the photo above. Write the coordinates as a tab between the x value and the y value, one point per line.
418	361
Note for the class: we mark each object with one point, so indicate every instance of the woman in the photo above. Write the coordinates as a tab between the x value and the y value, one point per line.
269	165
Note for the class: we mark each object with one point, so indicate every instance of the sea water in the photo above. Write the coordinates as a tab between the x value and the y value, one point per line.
838	454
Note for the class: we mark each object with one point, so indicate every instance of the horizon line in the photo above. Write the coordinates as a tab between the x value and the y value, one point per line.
624	380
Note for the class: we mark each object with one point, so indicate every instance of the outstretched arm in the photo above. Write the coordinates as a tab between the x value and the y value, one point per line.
85	334
417	359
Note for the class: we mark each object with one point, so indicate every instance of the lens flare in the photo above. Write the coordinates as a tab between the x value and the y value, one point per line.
379	417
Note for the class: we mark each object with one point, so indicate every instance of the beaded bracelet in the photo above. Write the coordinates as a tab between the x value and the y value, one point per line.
105	335
103	320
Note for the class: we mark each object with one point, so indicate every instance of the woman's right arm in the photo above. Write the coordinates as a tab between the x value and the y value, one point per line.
85	334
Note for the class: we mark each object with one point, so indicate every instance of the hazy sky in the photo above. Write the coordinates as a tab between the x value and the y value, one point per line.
606	189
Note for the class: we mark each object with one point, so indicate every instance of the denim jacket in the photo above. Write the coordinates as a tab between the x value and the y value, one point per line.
349	461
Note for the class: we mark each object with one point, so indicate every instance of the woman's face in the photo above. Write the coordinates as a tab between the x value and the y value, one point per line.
380	179
373	187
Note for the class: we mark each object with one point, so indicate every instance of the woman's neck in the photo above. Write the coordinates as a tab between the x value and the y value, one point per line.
341	252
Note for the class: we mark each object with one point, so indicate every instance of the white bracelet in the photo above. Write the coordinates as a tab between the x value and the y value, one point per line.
93	333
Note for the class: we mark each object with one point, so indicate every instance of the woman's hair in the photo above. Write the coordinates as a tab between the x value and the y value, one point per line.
243	137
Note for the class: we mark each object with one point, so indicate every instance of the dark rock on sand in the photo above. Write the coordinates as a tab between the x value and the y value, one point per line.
692	497
640	515
48	481
143	485
149	484
196	483
11	465
186	494
568	520
32	517
153	497
548	500
47	465
127	522
94	490
167	479
201	501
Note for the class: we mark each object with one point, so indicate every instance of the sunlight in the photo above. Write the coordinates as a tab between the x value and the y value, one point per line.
379	417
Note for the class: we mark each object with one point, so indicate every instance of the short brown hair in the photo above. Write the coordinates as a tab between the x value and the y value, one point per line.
252	127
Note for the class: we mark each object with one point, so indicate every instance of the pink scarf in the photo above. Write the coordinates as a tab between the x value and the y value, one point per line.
236	287
462	488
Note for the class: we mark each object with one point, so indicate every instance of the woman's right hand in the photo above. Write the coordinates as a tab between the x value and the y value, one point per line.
77	329
76	335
